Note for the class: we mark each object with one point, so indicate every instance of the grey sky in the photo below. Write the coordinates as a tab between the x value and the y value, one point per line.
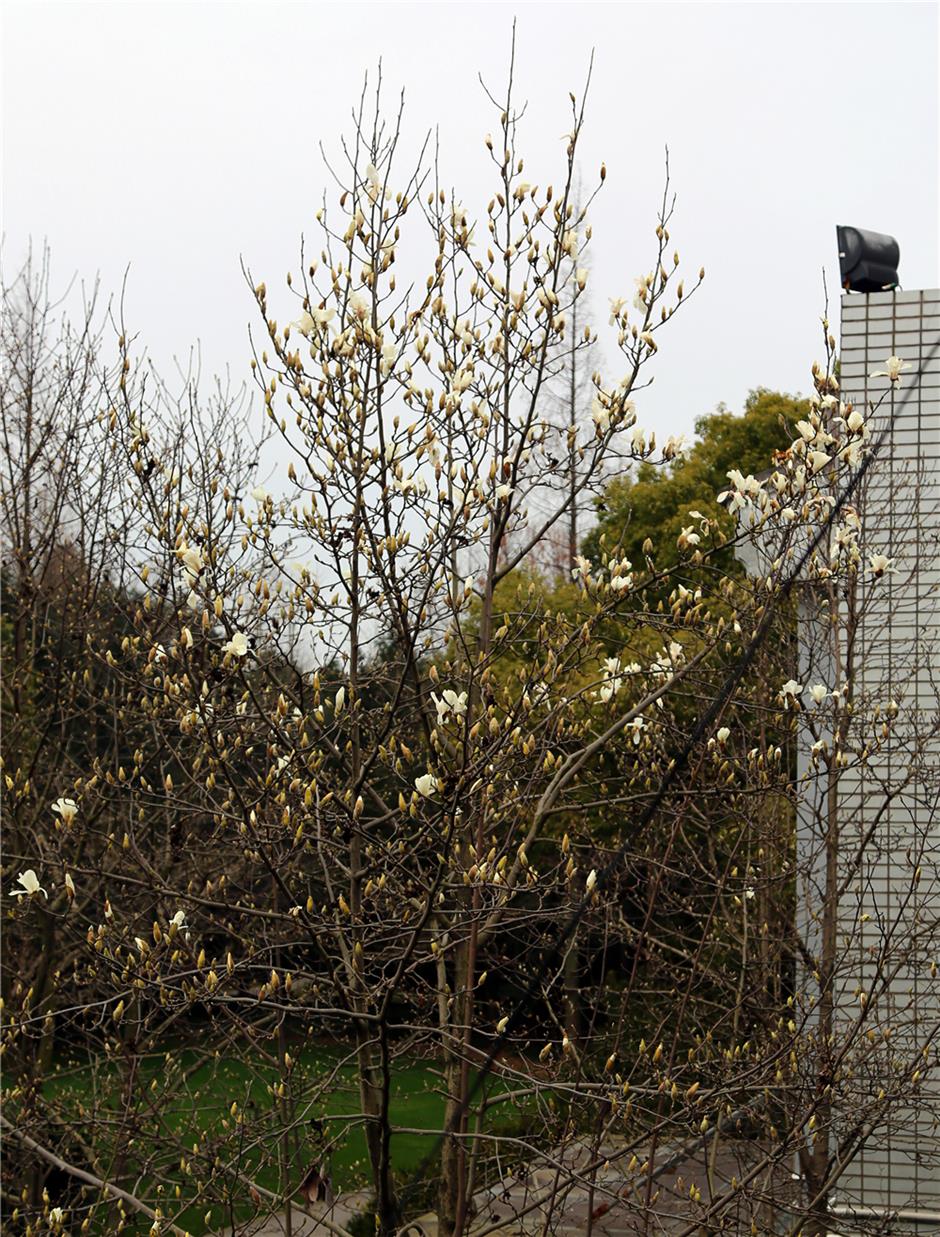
178	137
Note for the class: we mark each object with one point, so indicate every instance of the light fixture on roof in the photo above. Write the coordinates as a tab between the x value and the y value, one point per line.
868	261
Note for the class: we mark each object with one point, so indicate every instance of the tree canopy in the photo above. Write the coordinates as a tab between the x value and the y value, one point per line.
656	503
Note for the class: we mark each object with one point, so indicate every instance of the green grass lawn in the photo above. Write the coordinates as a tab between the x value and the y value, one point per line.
415	1102
191	1102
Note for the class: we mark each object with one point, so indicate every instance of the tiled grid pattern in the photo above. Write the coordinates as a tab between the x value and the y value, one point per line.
897	657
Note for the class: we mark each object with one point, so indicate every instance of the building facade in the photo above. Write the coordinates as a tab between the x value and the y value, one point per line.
888	811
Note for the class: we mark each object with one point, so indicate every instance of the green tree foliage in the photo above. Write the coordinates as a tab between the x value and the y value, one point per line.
656	503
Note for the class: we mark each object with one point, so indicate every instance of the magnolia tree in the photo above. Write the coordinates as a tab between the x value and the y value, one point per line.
321	781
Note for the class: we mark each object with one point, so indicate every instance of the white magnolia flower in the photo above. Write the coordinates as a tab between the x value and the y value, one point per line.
582	568
637	726
191	560
69	885
880	564
237	646
462	379
855	421
723	735
616	305
734	500
742	487
260	494
819	692
638	440
359	306
56	1215
621	575
450	702
502	1025
791	690
307	323
892	369
817	460
67	809
806	431
600	415
661	666
612	679
845	537
426	785
779	481
29	883
688	537
339	700
747	485
503	492
179	919
375	183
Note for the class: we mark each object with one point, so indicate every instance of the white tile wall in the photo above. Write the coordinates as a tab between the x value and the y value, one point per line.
897	655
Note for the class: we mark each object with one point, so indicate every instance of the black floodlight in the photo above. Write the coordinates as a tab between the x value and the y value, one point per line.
868	261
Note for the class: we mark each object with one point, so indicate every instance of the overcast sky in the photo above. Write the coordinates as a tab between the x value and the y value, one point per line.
178	138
